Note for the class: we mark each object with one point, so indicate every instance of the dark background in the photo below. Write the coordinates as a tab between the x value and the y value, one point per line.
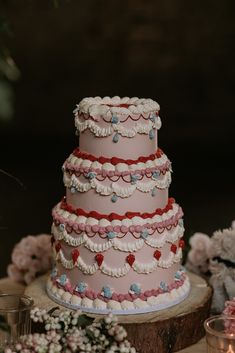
180	53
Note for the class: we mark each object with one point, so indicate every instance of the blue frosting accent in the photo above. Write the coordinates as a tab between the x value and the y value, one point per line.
114	198
111	235
54	272
62	227
151	134
163	286
116	138
152	117
91	175
134	178
135	288
178	275
107	292
154	192
114	119
81	287
63	279
156	174
144	234
73	190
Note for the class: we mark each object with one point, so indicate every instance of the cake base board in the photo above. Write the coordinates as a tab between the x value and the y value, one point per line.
163	331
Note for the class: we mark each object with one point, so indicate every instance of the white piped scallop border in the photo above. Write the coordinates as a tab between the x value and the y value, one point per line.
78	163
71	181
138	306
155	240
71	218
119	271
98	131
111	105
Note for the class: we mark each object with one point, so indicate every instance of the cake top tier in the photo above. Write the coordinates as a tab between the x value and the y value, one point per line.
110	106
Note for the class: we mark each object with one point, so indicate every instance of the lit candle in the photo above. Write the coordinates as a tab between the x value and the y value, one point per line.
230	350
220	334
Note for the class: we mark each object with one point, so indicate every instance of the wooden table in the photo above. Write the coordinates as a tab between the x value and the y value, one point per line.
8	286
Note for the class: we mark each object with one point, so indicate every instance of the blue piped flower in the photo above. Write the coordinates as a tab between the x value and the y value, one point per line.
135	289
81	287
62	227
151	134
177	276
163	286
91	175
114	119
154	192
181	222
116	138
156	174
107	292
134	178
144	234
73	189
114	198
63	279
152	117
54	272
111	235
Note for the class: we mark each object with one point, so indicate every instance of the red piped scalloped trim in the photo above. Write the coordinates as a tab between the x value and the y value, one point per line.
113	216
114	160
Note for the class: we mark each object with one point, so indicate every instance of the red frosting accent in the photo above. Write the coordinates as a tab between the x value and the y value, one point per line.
157	254
57	247
99	259
124	105
113	216
130	259
173	248
181	243
75	254
114	160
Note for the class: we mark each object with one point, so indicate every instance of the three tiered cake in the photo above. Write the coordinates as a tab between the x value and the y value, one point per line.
117	238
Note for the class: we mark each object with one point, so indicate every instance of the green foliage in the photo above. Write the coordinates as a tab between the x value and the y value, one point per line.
84	321
9	72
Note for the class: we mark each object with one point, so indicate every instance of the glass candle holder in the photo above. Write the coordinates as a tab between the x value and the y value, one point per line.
220	334
14	318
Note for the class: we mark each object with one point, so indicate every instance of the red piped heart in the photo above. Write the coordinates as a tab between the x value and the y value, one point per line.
99	259
173	248
57	247
181	243
130	259
75	254
157	254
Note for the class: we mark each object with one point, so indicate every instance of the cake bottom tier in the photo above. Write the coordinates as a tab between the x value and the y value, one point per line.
154	301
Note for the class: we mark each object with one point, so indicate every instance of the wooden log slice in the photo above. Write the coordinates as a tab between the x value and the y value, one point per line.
164	331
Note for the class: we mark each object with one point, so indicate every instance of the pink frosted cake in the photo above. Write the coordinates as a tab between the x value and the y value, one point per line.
117	238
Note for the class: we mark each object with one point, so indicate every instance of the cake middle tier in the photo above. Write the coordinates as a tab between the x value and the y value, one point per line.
113	184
